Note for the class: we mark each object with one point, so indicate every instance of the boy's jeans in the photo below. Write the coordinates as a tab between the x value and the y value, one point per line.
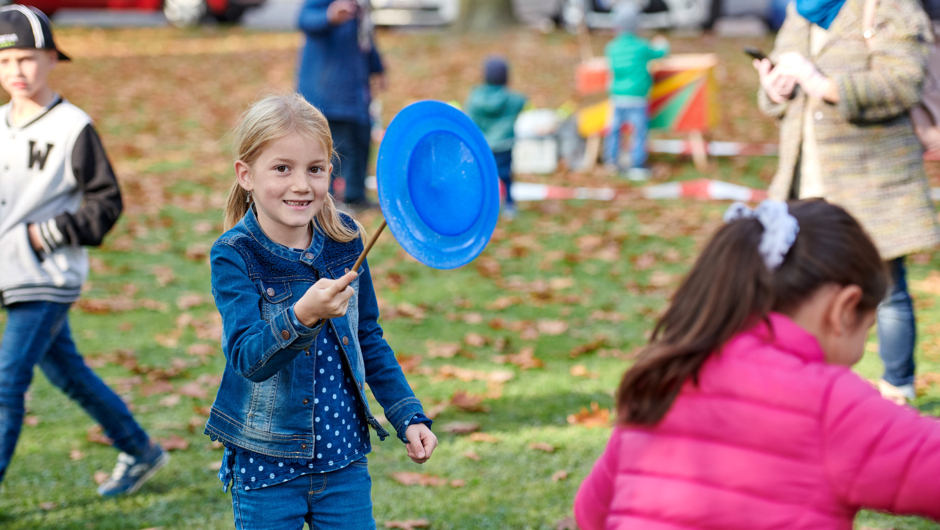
338	499
37	333
504	171
637	115
896	328
352	142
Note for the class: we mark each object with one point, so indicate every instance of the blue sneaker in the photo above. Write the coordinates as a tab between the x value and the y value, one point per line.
130	473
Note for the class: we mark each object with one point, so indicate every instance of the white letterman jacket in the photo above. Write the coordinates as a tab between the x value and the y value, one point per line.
55	174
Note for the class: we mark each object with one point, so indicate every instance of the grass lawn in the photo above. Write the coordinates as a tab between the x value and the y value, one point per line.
577	284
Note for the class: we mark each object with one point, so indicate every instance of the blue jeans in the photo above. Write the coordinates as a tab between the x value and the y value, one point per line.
504	170
896	328
638	117
338	499
352	142
37	333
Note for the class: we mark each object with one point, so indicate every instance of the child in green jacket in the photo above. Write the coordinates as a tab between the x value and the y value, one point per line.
494	108
631	81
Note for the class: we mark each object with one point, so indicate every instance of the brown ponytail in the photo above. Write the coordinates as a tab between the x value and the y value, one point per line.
730	289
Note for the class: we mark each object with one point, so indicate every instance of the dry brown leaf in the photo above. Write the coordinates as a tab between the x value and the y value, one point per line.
468	402
96	436
75	454
483	437
409	363
579	370
442	349
170	401
472	318
929	285
552	327
174	443
472	455
410	524
460	427
31	421
436	410
595	417
594	345
488	268
194	390
101	476
197	251
559	475
411	478
187	301
542	446
201	350
465	374
568	523
525	359
474	339
48	505
504	302
457	483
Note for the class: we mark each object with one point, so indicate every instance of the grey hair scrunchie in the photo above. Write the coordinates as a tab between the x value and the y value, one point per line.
780	228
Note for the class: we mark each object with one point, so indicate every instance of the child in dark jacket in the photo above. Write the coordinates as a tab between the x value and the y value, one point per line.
494	108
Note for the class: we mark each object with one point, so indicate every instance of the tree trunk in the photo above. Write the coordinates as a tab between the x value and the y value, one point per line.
485	15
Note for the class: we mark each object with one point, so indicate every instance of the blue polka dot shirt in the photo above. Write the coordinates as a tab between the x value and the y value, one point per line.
342	434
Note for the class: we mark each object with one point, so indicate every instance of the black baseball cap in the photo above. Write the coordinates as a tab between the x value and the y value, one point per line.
26	27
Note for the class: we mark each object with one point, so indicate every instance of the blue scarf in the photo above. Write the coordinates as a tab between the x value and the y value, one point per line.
819	12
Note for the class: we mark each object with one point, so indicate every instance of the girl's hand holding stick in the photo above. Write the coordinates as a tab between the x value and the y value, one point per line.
325	299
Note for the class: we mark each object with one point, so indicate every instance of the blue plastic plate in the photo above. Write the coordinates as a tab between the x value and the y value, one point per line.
438	186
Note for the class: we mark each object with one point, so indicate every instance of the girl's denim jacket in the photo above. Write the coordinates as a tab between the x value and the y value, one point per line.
266	398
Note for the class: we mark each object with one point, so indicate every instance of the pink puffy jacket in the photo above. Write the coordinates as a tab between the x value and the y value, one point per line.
773	437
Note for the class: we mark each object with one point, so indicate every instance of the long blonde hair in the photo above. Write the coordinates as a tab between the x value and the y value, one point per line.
268	119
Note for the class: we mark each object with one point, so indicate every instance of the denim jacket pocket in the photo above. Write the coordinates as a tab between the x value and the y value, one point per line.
276	296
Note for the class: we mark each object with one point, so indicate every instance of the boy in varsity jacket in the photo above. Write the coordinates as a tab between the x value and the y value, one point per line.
57	195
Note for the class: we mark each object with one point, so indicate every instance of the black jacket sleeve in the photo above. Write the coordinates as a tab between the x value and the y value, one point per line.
101	201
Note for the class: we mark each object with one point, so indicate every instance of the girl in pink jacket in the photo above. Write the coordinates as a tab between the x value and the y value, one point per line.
743	412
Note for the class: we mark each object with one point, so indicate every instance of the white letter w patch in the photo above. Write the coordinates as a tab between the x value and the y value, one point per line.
38	156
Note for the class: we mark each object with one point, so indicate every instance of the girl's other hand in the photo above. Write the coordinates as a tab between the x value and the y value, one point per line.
325	299
777	84
421	442
341	11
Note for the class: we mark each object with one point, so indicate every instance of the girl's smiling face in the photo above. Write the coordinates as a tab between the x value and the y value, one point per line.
289	182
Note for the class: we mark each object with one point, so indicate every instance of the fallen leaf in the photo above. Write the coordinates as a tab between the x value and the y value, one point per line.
197	251
442	349
559	475
410	478
436	410
595	417
174	443
468	402
193	389
201	349
525	359
31	421
579	370
410	524
472	455
552	327
483	437
504	302
457	483
214	466
409	363
190	300
560	284
75	454
48	505
474	339
101	477
568	523
460	427
95	435
589	347
542	446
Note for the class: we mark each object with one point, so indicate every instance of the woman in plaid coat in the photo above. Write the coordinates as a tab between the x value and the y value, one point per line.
843	99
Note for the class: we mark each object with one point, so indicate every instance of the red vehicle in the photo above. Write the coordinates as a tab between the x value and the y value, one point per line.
178	12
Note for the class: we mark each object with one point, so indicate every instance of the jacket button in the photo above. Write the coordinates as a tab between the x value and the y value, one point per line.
303	446
306	401
270	291
819	115
307	352
309	255
345	341
347	270
285	334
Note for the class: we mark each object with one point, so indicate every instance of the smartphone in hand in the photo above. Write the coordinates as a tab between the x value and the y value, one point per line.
755	53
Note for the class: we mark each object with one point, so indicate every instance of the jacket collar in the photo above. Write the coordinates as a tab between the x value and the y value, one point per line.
847	22
787	335
308	255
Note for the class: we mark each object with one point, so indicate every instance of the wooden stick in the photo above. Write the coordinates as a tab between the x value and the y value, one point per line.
372	240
